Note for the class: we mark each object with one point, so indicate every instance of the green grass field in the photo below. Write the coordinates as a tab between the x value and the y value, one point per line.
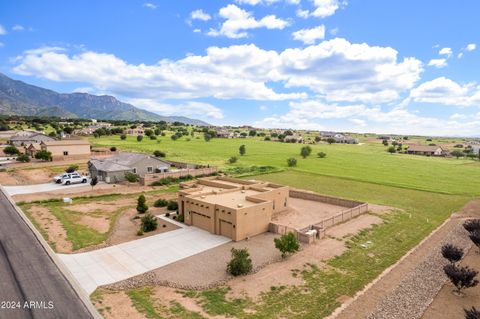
425	190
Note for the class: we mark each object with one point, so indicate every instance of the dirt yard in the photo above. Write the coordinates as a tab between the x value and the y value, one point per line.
302	213
117	305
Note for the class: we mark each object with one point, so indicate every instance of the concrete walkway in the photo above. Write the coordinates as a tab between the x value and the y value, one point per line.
39	188
116	263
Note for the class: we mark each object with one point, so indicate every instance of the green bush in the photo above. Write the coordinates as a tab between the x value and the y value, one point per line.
181	218
242	150
305	151
123	137
322	154
160	203
158	153
291	162
141	204
287	244
139	138
23	158
132	177
233	159
43	155
240	264
149	223
11	150
71	168
172	205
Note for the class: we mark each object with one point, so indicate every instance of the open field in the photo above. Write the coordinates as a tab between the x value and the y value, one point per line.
367	162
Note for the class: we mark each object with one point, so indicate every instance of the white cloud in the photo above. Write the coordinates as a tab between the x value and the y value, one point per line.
189	108
2	30
150	5
322	8
200	15
460	55
438	63
263	108
336	70
334	31
197	30
359	122
18	27
265	2
458	116
302	13
310	36
471	47
447	92
446	51
237	21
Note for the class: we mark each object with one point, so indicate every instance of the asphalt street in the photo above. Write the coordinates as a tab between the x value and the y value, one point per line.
31	285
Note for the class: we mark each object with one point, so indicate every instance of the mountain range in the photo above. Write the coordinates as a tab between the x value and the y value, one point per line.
20	98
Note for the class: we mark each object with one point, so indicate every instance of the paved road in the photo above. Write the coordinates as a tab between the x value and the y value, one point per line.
116	263
38	188
28	274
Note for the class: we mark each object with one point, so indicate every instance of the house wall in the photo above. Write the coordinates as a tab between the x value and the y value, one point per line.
73	150
252	220
142	165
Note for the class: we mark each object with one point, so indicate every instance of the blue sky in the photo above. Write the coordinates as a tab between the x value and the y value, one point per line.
408	67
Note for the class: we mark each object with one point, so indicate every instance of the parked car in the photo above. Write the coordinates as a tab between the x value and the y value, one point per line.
58	179
72	178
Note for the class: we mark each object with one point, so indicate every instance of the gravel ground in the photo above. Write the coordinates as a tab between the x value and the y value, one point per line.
418	289
211	264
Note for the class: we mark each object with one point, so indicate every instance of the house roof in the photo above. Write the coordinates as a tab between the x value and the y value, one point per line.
123	161
66	142
424	148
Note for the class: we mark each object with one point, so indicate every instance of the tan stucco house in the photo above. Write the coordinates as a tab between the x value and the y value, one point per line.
67	148
230	207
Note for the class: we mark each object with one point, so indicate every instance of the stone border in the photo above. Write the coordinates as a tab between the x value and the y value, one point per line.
63	270
339	310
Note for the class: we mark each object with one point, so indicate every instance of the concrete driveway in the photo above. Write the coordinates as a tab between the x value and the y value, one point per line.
116	263
38	188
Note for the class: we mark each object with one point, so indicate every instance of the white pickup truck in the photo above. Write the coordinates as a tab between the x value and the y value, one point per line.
69	178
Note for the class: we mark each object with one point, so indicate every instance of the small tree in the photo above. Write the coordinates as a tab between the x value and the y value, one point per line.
457	153
158	153
322	154
452	253
472	313
391	149
172	205
71	168
11	150
385	142
123	137
232	159
93	182
287	244
472	225
242	150
132	177
43	155
113	149
207	137
240	264
461	277
141	204
23	158
291	162
305	151
160	203
475	237
149	223
139	138
330	140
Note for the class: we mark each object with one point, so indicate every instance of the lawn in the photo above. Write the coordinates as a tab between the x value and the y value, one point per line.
367	162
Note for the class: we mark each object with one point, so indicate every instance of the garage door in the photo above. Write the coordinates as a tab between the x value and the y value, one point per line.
201	221
226	229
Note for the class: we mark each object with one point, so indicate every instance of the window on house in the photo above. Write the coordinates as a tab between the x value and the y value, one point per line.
65	153
134	170
150	169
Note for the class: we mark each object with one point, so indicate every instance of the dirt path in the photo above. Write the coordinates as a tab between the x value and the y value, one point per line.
52	226
366	303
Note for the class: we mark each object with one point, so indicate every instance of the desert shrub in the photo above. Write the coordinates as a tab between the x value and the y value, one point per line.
472	225
181	218
461	277
233	159
140	232
242	150
240	264
11	150
167	214
472	313
113	149
391	149
322	154
141	204
291	162
172	205
132	177
305	151
123	137
153	137
23	158
139	138
475	237
43	155
160	203
149	223
71	168
452	253
159	153
287	244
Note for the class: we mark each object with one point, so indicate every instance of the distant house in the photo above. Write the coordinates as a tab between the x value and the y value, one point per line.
427	150
325	134
32	148
67	148
113	169
134	131
293	139
475	148
222	133
26	138
343	139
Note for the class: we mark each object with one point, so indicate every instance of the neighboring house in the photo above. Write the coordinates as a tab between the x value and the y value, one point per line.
89	130
66	148
327	134
134	131
222	133
113	169
475	148
237	209
293	139
26	139
32	148
426	150
343	139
